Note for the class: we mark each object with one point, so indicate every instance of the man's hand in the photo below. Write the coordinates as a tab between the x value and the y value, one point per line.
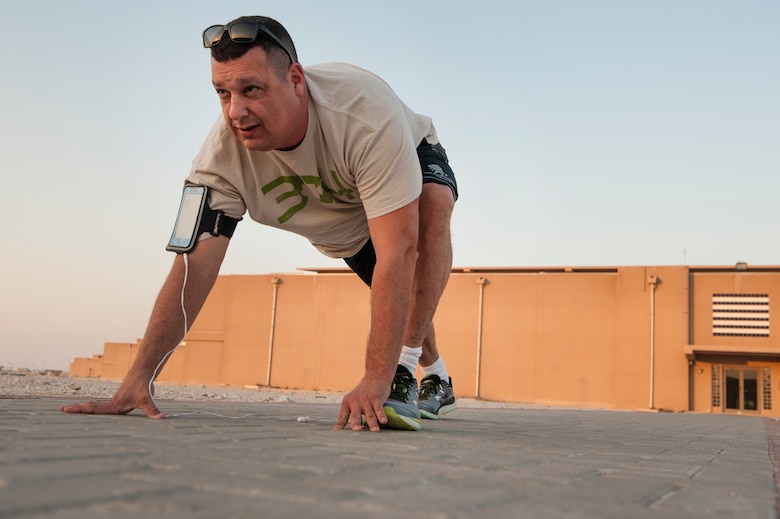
164	331
366	399
129	396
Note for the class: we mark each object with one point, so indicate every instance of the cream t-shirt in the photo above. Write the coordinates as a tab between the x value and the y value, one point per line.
358	161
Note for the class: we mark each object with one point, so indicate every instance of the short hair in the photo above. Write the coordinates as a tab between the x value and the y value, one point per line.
228	50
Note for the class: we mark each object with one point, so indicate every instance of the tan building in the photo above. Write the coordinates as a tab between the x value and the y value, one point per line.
671	338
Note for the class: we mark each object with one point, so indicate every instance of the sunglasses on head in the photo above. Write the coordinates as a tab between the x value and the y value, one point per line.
241	32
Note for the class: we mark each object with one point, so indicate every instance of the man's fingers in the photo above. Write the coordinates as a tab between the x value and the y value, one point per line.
380	414
375	418
151	411
372	421
364	406
72	408
352	416
339	424
343	417
90	408
356	422
355	418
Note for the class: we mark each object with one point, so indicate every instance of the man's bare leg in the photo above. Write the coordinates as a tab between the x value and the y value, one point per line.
433	268
432	272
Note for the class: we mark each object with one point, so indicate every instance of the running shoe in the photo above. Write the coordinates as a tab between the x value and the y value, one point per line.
401	407
436	397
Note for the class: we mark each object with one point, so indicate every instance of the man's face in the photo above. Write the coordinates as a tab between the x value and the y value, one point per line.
263	111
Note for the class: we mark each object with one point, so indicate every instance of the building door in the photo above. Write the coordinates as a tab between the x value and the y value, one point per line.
742	390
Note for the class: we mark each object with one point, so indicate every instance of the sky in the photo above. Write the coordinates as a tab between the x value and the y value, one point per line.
582	133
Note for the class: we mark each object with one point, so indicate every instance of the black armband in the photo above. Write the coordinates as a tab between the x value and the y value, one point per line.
196	217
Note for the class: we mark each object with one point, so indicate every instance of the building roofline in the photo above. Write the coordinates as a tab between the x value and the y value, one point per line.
740	267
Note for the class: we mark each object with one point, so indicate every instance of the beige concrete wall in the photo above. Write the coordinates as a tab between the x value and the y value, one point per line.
91	367
116	358
705	284
552	336
707	350
549	338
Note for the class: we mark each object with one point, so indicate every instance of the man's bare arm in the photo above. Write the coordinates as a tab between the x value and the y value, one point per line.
395	241
165	329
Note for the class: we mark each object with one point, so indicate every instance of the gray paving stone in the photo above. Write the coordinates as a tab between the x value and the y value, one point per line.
258	460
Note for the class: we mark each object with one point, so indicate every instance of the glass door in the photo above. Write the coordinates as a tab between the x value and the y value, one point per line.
741	390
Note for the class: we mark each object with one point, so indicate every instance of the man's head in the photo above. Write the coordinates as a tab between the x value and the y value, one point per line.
236	38
263	95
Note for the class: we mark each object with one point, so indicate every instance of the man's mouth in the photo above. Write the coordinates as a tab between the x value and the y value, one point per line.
247	129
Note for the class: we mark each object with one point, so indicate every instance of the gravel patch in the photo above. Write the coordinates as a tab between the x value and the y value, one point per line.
33	385
45	386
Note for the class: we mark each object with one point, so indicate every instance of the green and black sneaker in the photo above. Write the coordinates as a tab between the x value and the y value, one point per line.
401	407
436	397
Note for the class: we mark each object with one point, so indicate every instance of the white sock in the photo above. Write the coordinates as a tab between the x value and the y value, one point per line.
409	358
437	368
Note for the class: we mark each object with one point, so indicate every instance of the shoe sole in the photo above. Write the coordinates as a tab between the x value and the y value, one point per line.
397	421
445	409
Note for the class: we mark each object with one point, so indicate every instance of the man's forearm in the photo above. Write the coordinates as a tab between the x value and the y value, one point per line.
165	329
166	324
391	295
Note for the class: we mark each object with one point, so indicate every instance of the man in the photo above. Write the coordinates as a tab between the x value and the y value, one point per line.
332	154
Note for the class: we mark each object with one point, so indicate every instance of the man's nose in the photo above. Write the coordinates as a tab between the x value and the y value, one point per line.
237	109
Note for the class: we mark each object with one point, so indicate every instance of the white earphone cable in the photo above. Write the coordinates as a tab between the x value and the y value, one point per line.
184	314
167	355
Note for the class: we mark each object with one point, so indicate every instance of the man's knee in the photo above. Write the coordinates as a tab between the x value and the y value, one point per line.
436	204
436	201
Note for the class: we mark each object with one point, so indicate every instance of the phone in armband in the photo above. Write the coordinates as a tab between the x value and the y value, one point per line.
185	232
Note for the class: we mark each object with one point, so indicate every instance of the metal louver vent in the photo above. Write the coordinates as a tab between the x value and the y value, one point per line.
740	315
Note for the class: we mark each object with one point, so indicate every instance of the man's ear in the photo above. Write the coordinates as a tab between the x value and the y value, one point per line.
296	77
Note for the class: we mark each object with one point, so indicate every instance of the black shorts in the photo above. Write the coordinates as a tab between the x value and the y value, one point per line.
435	168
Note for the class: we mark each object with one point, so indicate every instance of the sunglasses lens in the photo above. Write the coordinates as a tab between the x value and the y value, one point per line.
213	35
243	32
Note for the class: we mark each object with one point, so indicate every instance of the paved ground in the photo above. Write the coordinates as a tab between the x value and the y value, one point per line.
480	462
